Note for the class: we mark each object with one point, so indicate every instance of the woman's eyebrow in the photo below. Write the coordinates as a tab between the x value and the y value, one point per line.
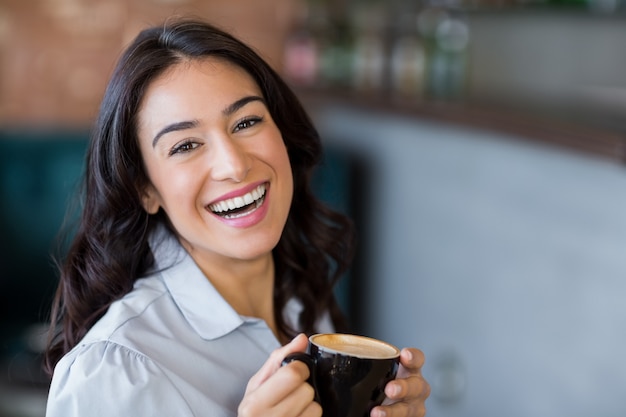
188	124
240	103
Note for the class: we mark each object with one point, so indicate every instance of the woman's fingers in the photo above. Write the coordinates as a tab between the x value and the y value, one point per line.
281	391
273	363
407	394
285	393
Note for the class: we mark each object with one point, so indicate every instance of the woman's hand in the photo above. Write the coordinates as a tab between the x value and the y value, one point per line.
281	391
407	394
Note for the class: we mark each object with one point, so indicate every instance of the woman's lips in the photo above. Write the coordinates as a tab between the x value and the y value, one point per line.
240	205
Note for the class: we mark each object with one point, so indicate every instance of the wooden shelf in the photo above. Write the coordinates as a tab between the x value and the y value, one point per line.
589	134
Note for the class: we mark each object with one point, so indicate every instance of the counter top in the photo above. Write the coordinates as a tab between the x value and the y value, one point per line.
580	128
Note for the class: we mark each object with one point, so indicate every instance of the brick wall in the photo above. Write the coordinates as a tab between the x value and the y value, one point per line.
56	55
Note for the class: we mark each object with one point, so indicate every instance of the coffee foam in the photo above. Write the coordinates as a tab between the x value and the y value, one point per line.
353	345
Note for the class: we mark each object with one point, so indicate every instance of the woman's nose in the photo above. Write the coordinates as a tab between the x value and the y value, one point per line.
230	161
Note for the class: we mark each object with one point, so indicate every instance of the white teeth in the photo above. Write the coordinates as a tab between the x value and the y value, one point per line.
238	202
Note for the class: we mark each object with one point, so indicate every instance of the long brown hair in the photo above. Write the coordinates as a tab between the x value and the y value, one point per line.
109	250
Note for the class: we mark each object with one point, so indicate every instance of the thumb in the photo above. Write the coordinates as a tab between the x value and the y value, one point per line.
273	363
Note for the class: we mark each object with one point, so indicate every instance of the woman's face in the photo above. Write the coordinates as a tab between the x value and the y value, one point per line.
216	162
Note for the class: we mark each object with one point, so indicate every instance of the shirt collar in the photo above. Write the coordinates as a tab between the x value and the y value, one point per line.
206	311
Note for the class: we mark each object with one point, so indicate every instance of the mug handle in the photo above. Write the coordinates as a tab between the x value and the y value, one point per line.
309	362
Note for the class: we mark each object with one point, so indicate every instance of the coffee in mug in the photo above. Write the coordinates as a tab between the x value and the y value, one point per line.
349	372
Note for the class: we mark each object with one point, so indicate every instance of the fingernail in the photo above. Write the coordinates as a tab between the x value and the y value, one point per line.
377	412
393	390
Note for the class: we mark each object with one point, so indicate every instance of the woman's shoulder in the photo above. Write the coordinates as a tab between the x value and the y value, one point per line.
114	360
133	312
88	357
109	379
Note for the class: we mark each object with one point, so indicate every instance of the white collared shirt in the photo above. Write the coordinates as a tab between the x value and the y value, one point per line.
171	347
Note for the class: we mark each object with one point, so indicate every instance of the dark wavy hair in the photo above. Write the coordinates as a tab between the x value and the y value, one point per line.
109	249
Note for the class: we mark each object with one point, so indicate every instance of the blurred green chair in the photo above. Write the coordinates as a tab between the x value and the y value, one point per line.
39	172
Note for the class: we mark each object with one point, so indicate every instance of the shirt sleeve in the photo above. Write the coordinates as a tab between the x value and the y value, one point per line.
105	379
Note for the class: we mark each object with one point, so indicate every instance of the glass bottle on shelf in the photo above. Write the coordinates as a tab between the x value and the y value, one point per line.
336	55
408	60
369	56
447	39
301	54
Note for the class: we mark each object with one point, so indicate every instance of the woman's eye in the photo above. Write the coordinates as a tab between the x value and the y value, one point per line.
247	123
184	147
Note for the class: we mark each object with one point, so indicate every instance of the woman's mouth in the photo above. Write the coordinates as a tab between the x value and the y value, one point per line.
244	205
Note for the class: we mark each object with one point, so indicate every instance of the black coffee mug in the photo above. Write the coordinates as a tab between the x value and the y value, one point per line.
348	372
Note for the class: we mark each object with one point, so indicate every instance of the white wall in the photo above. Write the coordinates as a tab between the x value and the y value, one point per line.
572	58
504	261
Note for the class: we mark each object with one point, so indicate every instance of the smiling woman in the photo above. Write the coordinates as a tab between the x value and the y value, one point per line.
194	268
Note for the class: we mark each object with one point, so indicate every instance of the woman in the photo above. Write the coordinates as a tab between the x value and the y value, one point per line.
201	255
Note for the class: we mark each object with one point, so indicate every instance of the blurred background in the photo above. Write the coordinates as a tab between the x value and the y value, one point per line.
478	144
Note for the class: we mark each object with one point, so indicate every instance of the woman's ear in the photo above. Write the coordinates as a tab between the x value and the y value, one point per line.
150	199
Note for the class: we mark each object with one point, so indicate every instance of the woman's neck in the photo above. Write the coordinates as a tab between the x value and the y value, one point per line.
247	285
